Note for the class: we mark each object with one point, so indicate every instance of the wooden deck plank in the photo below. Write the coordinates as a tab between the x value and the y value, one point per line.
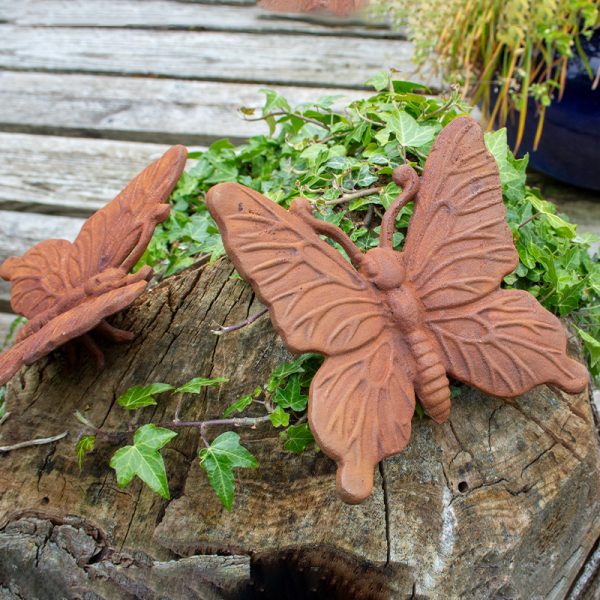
19	231
140	109
6	320
217	56
65	176
169	14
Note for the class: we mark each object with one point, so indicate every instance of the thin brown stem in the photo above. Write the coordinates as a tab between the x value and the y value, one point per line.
227	328
531	218
4	418
354	195
283	113
36	442
233	422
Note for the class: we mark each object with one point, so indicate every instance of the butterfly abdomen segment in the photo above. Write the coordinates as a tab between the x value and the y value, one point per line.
431	384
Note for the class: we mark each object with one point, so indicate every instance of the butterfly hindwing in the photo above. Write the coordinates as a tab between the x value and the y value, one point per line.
360	411
318	302
506	344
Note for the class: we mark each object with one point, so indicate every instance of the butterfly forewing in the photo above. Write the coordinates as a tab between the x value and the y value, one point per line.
318	301
361	409
117	235
459	246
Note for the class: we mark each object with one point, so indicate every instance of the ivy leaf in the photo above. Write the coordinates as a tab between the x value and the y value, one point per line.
139	396
512	170
144	460
592	345
195	386
291	395
297	438
407	131
380	81
279	418
220	458
85	444
239	405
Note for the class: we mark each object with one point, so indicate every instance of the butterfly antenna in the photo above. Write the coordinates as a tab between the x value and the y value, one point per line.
301	208
406	177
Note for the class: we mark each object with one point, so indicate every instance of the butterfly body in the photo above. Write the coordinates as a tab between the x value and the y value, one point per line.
391	323
386	271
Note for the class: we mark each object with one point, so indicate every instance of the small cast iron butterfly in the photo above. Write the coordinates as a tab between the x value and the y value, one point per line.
68	289
391	323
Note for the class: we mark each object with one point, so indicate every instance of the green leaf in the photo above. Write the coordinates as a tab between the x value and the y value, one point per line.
144	460
195	386
220	458
240	405
379	81
139	396
297	438
592	345
85	444
512	170
291	395
279	418
408	132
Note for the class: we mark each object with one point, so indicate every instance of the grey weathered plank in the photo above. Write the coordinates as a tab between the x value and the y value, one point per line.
19	231
63	176
285	59
169	14
136	108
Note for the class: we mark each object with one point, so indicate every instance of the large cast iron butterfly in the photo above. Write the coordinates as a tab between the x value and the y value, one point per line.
68	289
390	322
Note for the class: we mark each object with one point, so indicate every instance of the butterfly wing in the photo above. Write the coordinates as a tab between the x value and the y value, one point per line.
318	302
459	246
506	344
458	249
360	411
65	327
117	235
37	277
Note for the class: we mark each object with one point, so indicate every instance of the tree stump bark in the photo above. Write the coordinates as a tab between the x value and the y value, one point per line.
503	501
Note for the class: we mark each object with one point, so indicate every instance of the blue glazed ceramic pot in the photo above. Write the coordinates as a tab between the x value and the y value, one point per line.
569	148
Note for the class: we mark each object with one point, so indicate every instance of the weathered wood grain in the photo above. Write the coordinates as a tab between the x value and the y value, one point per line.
141	109
500	502
169	14
314	61
64	176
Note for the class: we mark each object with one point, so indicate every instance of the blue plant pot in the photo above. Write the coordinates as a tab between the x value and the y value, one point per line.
569	149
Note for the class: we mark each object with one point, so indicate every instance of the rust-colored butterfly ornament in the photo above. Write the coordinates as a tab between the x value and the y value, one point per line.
391	323
67	290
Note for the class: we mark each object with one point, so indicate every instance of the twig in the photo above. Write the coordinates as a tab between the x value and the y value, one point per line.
4	418
282	113
234	422
360	194
531	218
227	328
37	442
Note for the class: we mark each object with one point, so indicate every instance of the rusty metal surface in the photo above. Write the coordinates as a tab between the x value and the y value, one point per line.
67	290
392	323
337	7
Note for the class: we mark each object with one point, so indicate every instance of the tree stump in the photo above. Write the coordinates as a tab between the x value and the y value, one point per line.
502	501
